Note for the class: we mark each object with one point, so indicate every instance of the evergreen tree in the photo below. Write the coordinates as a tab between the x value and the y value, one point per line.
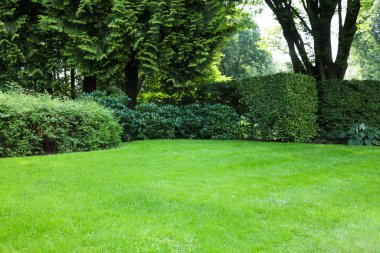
30	55
173	41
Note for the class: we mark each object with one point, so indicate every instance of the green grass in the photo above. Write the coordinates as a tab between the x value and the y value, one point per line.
193	196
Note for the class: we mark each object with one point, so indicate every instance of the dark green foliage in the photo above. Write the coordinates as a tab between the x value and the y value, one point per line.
228	93
115	103
344	103
284	106
152	121
39	125
30	54
219	122
360	134
157	122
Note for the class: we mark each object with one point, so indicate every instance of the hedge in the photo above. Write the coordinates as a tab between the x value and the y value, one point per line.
32	125
344	103
283	106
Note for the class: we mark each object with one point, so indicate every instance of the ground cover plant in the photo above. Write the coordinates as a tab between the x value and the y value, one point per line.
193	196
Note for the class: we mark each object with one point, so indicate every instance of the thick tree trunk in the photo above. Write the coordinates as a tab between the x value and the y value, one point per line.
89	84
72	84
132	83
320	14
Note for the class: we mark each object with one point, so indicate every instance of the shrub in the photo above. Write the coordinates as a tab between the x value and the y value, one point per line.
227	93
156	122
344	103
116	103
39	125
189	122
284	106
219	122
360	134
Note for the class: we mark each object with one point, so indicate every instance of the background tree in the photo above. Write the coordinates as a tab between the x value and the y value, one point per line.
175	41
366	46
313	18
166	41
245	55
29	55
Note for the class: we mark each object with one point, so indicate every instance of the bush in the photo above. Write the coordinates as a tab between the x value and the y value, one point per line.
344	103
189	122
152	121
116	103
156	122
360	134
219	122
283	106
227	93
39	125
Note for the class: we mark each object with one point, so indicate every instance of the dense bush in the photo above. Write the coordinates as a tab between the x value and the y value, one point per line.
283	106
344	103
228	93
39	125
194	121
111	102
360	134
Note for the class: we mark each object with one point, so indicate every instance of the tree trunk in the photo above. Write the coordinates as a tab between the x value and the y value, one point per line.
132	83
89	84
72	83
320	14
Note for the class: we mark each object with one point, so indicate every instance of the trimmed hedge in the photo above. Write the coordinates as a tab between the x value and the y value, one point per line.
283	106
344	103
32	125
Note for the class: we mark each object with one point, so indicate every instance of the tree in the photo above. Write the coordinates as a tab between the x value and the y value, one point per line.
176	40
366	47
84	24
315	22
243	56
173	41
29	55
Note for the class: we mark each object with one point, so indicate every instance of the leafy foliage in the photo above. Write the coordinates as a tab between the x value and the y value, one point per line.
39	125
284	106
360	134
344	103
366	46
244	55
30	54
194	121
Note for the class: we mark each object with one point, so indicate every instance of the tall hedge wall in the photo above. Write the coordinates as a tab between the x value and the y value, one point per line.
31	125
344	103
284	106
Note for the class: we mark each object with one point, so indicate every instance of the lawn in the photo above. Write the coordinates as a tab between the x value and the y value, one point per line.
193	196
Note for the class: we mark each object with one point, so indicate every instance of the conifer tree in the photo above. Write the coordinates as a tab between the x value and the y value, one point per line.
175	40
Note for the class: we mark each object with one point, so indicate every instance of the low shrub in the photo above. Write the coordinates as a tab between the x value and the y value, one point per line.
116	103
33	125
219	122
194	121
360	134
227	93
282	107
344	103
156	122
